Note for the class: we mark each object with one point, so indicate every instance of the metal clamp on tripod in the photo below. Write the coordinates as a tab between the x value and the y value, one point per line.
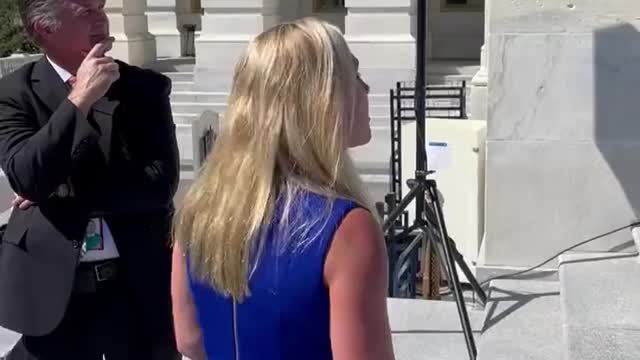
428	229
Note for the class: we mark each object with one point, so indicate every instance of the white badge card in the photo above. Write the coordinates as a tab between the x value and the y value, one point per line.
93	239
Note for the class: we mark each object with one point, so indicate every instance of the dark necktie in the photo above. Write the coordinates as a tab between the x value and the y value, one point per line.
72	81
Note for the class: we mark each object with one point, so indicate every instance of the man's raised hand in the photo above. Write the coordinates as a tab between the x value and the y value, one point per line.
94	76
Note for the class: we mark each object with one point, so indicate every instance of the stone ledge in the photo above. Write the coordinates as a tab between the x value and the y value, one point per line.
14	62
522	321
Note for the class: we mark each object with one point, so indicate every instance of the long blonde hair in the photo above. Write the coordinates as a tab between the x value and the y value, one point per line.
286	129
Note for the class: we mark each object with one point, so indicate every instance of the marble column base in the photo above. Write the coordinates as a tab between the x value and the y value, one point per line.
163	25
168	45
134	50
479	96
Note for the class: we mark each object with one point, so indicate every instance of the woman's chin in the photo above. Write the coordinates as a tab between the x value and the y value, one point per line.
361	141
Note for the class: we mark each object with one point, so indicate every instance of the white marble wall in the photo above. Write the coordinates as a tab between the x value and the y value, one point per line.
563	131
163	24
227	28
480	82
128	24
455	34
381	34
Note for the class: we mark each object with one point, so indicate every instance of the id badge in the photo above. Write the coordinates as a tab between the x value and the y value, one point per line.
93	240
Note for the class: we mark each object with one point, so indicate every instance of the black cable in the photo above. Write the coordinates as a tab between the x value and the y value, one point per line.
511	275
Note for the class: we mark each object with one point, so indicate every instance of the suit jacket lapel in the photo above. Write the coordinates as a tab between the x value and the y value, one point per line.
48	86
103	111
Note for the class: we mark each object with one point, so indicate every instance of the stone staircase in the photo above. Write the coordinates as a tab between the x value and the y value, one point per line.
372	159
591	313
187	104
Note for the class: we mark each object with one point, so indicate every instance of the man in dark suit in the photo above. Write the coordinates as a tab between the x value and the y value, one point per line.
88	144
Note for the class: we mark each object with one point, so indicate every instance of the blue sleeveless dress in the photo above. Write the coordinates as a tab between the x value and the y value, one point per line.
286	317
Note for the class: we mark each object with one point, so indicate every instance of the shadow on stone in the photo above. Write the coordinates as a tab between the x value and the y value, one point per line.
519	300
616	66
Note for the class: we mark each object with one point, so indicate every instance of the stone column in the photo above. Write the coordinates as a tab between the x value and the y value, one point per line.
331	13
189	12
479	83
563	131
163	25
128	23
380	35
227	28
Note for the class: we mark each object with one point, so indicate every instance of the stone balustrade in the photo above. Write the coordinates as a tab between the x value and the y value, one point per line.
14	62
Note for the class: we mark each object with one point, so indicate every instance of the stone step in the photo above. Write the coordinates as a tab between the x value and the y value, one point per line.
464	67
382	120
379	147
184	136
522	321
181	86
379	99
180	64
181	95
601	306
195	96
180	76
429	330
379	110
454	79
184	118
197	107
374	173
377	185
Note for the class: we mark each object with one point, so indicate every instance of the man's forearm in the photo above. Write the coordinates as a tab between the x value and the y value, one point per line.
36	162
147	190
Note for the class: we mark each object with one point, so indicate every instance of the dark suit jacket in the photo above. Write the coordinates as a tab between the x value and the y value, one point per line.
121	162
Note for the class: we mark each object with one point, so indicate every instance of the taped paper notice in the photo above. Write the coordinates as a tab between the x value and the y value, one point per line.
438	155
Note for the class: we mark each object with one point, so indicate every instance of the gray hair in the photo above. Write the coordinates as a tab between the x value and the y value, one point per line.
43	12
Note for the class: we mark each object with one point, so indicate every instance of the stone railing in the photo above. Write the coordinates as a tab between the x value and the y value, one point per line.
14	62
205	129
195	140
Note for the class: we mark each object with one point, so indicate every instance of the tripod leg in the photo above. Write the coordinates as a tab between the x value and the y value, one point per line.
452	272
432	219
431	269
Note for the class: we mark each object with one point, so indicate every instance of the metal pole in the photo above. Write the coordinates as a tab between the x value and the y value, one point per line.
420	98
421	66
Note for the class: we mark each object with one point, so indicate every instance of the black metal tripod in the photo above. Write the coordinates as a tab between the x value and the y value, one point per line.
432	225
429	219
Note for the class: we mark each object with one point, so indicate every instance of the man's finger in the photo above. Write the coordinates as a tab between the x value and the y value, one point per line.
104	60
100	48
110	67
96	51
109	44
25	205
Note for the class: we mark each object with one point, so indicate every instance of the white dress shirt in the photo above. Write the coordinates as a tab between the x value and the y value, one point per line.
109	250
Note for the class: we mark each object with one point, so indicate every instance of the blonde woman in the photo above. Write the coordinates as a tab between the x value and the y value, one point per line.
277	254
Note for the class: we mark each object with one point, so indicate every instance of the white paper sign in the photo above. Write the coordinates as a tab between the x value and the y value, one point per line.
438	155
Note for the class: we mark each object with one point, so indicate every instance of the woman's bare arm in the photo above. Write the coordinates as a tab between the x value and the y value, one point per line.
356	273
188	334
